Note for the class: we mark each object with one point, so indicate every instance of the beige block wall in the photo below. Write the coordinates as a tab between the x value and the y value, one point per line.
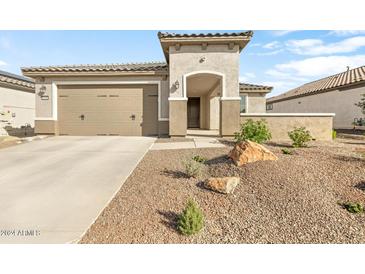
320	127
178	117
340	102
18	102
218	58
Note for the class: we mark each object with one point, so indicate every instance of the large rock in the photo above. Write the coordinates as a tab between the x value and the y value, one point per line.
223	185
249	152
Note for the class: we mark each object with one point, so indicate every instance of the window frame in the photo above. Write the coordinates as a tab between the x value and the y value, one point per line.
246	102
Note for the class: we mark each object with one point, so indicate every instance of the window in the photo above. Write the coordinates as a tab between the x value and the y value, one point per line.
269	107
243	103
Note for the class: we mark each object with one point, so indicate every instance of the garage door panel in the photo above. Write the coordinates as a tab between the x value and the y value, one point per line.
108	111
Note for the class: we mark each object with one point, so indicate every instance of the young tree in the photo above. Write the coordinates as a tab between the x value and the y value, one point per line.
361	104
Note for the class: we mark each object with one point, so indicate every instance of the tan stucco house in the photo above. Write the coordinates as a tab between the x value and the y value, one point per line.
337	93
196	87
17	104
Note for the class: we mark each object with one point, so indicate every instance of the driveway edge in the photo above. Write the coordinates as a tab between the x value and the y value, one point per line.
77	240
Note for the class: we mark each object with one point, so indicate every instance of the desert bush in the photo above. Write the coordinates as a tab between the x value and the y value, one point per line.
192	168
353	207
199	159
191	220
256	131
287	151
334	134
300	136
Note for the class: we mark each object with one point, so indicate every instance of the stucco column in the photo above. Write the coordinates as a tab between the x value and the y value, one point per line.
229	116
178	116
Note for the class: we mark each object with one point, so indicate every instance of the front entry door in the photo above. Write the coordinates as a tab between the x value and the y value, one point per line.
194	112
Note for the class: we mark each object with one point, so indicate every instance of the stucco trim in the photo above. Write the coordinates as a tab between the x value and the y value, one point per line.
177	99
289	114
230	98
54	101
222	75
56	83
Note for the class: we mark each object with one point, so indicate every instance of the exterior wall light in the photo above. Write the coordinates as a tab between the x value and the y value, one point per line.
177	84
42	91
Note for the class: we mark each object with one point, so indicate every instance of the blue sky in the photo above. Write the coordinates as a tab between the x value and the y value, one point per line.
283	59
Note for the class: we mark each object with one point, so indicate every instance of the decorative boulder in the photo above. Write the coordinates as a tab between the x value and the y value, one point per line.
249	152
223	185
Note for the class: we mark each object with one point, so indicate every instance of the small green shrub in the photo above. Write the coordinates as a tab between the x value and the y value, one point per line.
334	134
354	207
256	131
199	159
191	221
192	168
287	151
300	136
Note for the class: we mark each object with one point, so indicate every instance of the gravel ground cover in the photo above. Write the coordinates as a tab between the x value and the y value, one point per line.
292	200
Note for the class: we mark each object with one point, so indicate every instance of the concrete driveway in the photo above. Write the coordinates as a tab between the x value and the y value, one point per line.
52	190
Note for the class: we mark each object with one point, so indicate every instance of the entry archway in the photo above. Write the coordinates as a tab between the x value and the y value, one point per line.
203	90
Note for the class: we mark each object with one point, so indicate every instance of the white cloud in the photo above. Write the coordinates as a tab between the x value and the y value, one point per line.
2	63
272	45
318	47
247	76
346	32
274	52
288	76
280	86
282	32
321	66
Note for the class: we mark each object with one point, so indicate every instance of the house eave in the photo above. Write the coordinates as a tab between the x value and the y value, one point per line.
93	73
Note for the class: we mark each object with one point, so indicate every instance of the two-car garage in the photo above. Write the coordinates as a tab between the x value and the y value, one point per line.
130	110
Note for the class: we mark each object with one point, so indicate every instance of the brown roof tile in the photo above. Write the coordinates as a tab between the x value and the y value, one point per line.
17	80
199	35
148	66
349	77
246	86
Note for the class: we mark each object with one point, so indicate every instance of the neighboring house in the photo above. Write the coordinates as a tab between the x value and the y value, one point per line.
197	87
337	93
17	105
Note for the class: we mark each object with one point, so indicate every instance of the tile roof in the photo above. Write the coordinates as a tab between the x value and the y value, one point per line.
148	66
203	35
246	86
343	79
13	79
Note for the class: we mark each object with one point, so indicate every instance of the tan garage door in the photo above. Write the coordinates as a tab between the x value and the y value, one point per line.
108	110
